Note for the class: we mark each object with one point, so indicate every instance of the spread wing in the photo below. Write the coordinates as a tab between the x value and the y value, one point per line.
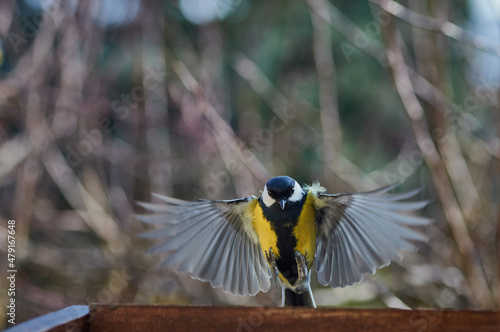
358	233
212	241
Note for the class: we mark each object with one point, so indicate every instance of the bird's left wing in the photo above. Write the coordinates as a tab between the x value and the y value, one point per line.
360	232
212	241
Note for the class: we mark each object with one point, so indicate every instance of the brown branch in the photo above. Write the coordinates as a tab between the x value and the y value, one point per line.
249	71
372	48
152	60
216	92
325	68
437	169
430	58
355	35
220	126
447	28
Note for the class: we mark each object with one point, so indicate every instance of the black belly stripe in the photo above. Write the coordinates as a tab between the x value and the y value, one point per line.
283	223
286	262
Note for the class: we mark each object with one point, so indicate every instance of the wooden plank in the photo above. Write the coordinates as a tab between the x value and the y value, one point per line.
174	318
72	318
76	325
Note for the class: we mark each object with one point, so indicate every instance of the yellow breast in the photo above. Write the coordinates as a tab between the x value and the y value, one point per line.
305	230
267	237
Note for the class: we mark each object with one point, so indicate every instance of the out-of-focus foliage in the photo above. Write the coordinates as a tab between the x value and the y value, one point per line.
103	102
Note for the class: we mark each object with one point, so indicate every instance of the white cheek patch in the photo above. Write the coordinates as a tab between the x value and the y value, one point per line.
298	193
268	200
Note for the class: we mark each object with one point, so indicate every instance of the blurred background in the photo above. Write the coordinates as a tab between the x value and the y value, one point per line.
103	102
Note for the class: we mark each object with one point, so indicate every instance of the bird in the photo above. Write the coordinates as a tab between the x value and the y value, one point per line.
239	245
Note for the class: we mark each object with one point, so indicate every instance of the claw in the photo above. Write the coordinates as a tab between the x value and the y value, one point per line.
301	266
271	260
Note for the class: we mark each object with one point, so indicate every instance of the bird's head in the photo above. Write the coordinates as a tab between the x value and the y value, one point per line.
281	190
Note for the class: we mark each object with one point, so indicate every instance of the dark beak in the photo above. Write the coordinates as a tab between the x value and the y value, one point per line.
282	203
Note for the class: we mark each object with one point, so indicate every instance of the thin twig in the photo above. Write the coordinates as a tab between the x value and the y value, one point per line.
429	58
447	28
342	167
374	49
325	68
436	166
353	33
220	126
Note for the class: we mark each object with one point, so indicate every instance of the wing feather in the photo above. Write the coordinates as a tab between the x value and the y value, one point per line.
344	258
361	232
243	289
220	258
183	234
237	266
207	264
210	240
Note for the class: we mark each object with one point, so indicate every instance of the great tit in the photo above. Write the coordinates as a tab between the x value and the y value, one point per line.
240	244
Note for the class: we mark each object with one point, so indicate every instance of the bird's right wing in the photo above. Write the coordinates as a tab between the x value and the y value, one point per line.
212	241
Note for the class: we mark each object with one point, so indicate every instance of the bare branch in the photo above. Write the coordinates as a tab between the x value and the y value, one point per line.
325	68
447	28
437	168
220	126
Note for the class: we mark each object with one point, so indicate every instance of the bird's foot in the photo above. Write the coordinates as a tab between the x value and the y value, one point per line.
301	267
271	260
